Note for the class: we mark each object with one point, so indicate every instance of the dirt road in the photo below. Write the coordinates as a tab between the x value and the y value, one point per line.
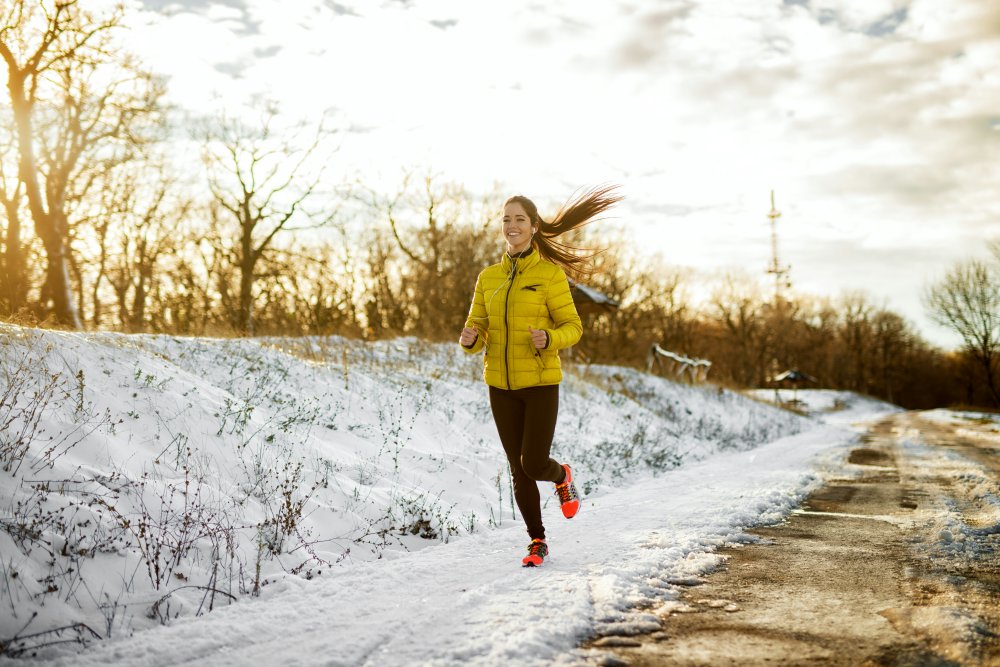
898	565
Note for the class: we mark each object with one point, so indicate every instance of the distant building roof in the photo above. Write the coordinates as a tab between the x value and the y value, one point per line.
583	295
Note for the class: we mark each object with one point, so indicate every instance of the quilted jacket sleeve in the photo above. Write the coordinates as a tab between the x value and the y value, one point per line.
478	318
568	328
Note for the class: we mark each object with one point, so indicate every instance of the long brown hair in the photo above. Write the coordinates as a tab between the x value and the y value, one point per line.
578	211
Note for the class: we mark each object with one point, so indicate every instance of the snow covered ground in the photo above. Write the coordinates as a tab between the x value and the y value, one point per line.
829	405
977	421
342	503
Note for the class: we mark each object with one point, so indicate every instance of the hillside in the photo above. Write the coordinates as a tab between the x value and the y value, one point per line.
150	479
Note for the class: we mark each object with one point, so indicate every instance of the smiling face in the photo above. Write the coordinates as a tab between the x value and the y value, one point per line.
517	227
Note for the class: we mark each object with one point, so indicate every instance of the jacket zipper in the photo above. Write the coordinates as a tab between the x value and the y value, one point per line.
506	325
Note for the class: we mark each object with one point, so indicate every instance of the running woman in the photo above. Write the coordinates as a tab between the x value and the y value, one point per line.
522	314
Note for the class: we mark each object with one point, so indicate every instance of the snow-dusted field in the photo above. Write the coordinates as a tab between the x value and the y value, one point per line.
335	502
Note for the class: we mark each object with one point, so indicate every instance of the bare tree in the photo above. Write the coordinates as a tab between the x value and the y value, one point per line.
148	210
384	304
98	139
263	179
13	273
446	238
782	328
740	306
892	343
815	342
35	38
307	289
186	298
856	340
653	306
967	301
76	100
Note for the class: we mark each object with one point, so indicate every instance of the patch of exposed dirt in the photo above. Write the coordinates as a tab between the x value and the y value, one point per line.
854	576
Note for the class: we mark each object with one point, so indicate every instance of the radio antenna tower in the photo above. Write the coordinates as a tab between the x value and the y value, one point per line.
780	273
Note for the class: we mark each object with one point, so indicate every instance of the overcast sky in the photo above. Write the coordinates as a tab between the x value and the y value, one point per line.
877	122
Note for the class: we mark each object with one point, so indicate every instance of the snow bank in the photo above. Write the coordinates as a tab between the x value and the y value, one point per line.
829	405
967	423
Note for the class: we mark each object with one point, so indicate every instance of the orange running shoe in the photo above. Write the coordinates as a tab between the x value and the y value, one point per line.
568	497
537	551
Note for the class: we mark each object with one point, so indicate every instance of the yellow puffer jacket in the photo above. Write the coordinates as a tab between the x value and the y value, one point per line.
511	297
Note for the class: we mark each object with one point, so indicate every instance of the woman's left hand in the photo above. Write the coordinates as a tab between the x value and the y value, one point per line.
468	336
539	338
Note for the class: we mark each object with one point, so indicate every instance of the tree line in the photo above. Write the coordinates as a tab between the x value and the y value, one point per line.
120	213
847	342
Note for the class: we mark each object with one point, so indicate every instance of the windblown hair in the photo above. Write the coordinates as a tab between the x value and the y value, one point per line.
579	211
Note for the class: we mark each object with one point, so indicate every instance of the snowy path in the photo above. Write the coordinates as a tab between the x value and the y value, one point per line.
470	602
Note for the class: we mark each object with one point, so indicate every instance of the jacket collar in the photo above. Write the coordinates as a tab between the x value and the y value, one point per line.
525	260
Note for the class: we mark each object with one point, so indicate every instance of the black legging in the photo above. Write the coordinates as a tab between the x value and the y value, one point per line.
526	422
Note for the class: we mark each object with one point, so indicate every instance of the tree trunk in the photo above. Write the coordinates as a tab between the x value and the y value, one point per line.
991	383
49	224
58	285
15	278
247	261
137	320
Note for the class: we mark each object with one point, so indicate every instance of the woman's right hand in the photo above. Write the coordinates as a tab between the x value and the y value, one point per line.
468	337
